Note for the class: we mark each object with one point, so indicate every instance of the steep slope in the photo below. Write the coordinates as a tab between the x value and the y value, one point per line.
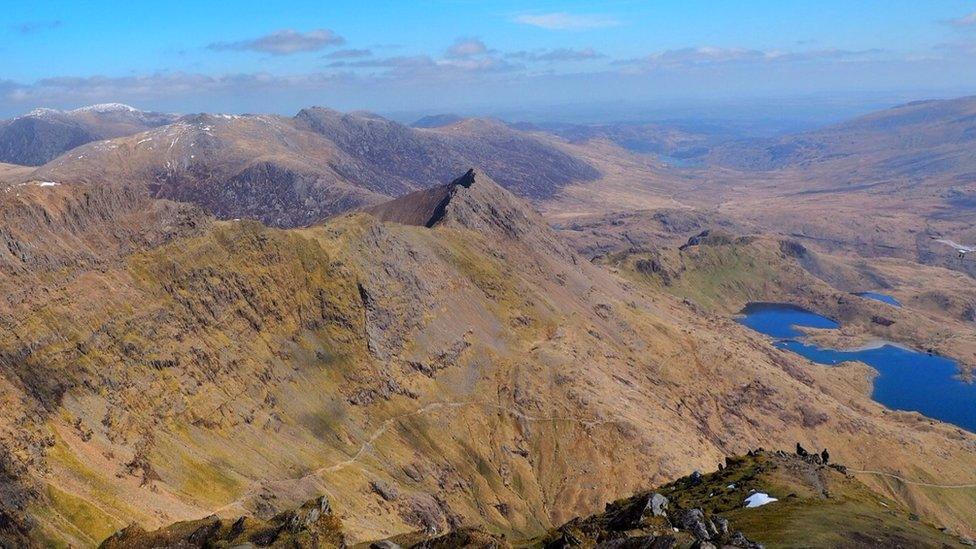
43	134
525	164
477	372
811	504
290	172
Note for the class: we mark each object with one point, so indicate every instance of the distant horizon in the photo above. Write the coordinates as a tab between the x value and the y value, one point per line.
482	59
762	115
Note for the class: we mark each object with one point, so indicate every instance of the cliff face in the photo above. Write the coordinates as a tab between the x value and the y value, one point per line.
474	372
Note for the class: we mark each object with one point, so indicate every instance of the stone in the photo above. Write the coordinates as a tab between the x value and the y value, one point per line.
693	520
658	505
721	526
639	542
740	540
384	544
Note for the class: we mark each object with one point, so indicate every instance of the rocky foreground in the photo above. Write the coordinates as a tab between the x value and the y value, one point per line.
762	499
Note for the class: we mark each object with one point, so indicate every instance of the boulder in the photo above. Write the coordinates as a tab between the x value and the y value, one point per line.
693	520
658	505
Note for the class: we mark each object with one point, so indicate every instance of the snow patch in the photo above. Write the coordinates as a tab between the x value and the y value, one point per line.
107	107
42	112
47	184
758	500
141	141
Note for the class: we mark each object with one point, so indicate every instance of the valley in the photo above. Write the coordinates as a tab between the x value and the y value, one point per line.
235	315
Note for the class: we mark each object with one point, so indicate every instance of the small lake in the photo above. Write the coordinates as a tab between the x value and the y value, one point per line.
907	380
884	298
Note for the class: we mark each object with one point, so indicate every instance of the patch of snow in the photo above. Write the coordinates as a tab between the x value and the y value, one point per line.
47	184
731	487
107	107
41	112
143	140
758	500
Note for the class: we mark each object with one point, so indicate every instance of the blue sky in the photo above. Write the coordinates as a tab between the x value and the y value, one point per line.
436	56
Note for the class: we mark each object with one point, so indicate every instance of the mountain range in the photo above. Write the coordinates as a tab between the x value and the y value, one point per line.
466	329
294	171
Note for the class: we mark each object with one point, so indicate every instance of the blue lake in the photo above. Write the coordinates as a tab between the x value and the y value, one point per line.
907	380
884	298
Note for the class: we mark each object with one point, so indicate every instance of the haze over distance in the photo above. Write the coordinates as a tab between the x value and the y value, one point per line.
801	63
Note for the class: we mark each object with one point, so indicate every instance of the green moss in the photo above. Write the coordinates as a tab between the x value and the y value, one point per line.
209	481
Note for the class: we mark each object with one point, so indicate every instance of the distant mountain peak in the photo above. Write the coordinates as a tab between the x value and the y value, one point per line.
437	120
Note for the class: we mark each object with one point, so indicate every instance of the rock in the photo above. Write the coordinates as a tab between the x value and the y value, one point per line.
384	490
639	542
696	478
693	520
307	515
882	321
384	544
740	540
967	541
801	451
825	456
721	526
658	505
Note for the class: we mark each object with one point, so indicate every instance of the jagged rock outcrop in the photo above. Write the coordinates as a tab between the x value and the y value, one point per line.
311	526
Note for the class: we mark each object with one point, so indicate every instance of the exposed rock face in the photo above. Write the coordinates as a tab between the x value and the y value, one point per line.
390	151
311	526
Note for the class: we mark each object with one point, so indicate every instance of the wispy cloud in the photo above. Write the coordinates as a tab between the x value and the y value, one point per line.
566	21
556	55
349	54
964	21
709	56
32	27
284	42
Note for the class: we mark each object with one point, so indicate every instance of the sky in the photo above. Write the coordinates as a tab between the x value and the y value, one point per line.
565	58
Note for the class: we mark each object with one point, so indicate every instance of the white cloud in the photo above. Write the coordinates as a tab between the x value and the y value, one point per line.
566	21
